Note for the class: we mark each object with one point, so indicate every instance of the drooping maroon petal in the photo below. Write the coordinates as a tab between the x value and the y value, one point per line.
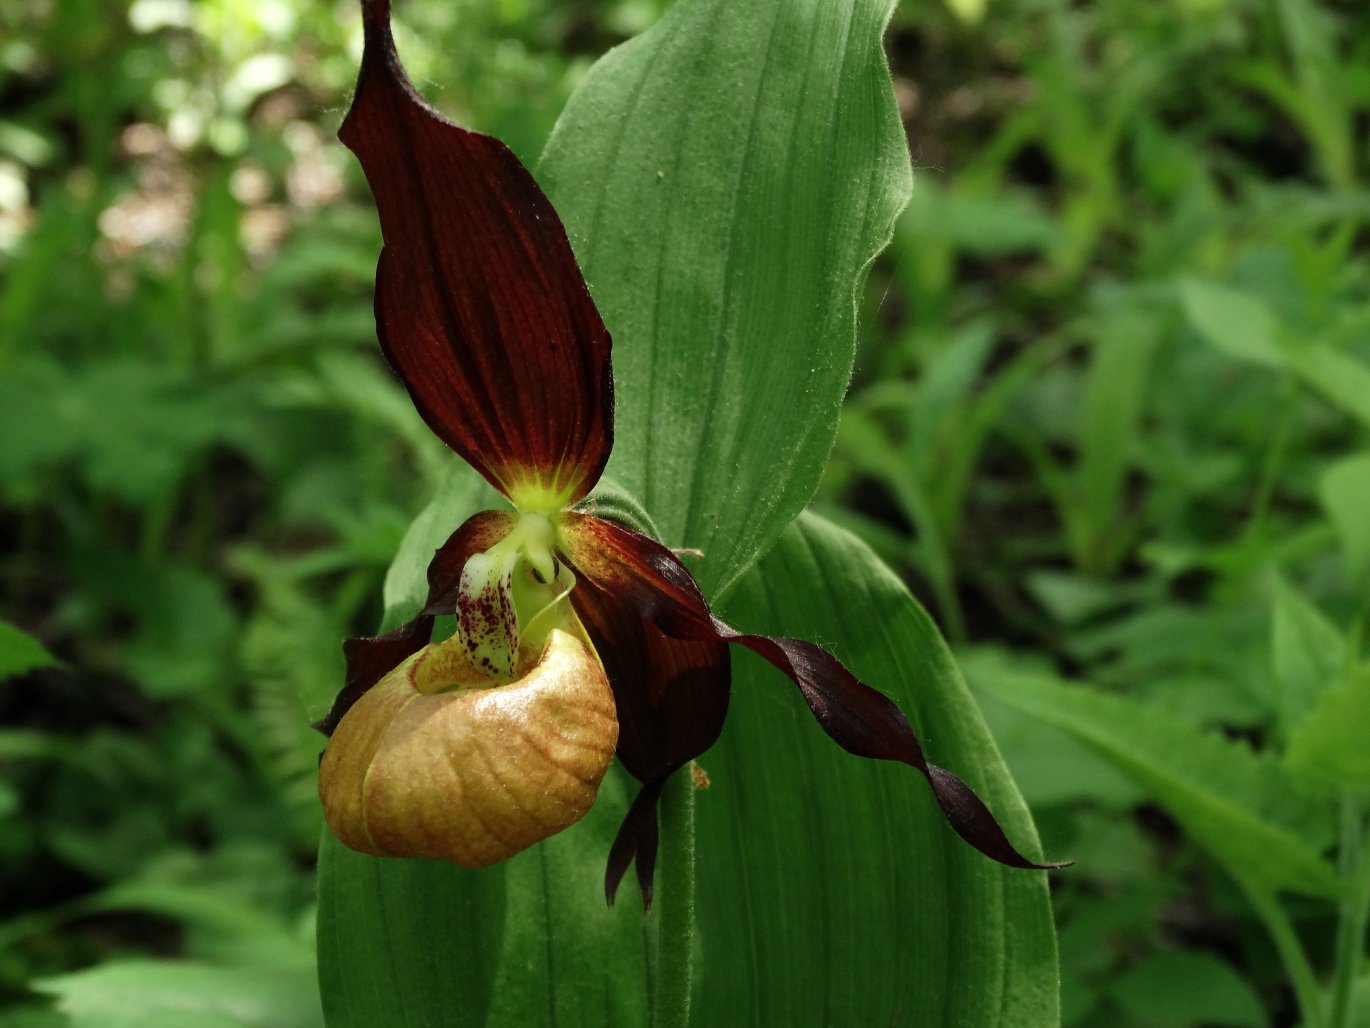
370	658
649	578
480	306
672	698
868	723
636	844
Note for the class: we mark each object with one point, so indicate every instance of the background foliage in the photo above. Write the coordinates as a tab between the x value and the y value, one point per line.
1109	419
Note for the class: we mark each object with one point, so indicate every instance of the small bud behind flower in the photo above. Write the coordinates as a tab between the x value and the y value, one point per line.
477	747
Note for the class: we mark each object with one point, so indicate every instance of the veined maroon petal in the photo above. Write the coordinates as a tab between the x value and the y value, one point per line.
370	658
649	578
480	306
672	694
672	698
639	572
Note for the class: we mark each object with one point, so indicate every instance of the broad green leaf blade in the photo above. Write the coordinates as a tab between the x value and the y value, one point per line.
831	890
1243	807
1244	327
1307	652
1330	744
1237	323
1187	987
401	943
1343	380
726	178
425	944
1345	494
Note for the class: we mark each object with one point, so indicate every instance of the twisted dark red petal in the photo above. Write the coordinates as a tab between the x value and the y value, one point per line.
369	659
480	306
648	577
672	698
636	844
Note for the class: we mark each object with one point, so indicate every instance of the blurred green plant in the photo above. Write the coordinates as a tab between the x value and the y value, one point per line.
1118	433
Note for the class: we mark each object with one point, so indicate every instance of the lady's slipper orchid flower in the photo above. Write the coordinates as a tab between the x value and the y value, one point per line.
577	637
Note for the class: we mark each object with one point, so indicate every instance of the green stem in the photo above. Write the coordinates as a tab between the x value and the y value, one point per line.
1277	452
675	904
1292	955
937	560
1355	909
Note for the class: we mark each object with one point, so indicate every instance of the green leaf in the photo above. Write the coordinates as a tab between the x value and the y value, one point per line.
34	1016
418	943
612	502
1307	651
1342	380
141	424
186	632
1187	988
1051	768
830	889
1345	494
1072	599
186	628
351	381
937	410
1235	322
1330	744
1360	1003
1116	389
1244	808
20	652
982	223
1245	327
37	420
186	994
726	178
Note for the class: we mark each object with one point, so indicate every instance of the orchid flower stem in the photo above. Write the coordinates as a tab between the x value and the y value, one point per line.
1355	908
675	904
